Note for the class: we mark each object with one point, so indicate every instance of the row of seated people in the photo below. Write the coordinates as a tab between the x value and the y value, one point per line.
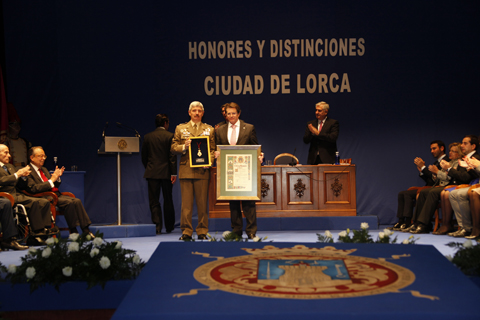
451	182
21	184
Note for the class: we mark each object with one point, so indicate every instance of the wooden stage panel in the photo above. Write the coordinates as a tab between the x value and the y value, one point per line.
301	191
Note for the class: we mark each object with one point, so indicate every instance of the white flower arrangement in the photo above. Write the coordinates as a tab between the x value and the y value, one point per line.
95	262
362	236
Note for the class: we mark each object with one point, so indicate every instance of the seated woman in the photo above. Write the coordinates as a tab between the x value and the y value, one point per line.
455	153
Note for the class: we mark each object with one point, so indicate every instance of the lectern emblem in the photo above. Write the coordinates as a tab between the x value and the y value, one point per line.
122	144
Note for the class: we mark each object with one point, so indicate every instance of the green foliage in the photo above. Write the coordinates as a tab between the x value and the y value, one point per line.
467	257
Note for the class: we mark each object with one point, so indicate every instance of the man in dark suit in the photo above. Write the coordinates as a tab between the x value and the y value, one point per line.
40	180
237	132
406	198
161	172
38	209
427	201
322	134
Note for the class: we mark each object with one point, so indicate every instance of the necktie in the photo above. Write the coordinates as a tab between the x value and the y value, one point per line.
195	129
44	178
5	168
320	125
233	137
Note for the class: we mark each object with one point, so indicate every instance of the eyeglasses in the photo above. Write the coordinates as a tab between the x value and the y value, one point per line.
41	156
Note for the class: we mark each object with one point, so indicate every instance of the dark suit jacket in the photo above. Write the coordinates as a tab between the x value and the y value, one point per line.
158	160
325	144
246	136
463	176
35	183
427	176
8	182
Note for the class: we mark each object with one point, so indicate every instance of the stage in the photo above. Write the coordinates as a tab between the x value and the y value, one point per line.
150	249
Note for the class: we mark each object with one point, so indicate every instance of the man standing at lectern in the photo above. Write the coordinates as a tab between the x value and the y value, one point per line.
193	181
322	134
237	132
161	172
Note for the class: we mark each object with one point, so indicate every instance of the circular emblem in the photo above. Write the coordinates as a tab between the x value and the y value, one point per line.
307	274
122	144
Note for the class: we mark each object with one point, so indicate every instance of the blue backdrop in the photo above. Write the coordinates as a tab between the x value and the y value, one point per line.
396	74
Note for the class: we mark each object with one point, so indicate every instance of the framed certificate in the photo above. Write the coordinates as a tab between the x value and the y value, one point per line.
199	152
238	172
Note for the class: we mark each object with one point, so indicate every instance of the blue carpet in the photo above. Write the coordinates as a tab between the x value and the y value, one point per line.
171	270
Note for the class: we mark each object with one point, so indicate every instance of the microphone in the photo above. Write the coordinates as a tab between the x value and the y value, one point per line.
104	128
294	162
129	128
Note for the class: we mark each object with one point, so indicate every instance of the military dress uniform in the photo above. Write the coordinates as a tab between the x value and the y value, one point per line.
193	181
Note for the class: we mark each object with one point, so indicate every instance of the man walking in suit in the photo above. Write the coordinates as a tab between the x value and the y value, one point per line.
237	132
38	209
322	134
40	180
161	172
193	181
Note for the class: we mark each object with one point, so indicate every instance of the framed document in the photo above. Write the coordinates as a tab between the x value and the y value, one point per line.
199	152
238	172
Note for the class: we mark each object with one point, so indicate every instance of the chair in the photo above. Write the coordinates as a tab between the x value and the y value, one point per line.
20	217
52	196
285	158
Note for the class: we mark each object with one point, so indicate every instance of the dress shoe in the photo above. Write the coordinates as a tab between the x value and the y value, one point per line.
402	226
158	230
462	233
202	237
473	236
421	228
396	226
185	237
92	236
443	230
39	233
35	241
169	231
251	236
53	231
12	244
408	228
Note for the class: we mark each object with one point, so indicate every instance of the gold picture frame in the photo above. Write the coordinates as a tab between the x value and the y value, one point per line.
200	157
239	172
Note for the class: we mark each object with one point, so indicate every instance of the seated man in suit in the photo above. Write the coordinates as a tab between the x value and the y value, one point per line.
427	201
9	240
40	180
322	134
459	197
38	209
406	198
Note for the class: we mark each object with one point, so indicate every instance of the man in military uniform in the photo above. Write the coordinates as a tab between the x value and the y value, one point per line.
193	181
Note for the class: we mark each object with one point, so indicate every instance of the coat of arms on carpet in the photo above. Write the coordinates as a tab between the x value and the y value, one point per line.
301	272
